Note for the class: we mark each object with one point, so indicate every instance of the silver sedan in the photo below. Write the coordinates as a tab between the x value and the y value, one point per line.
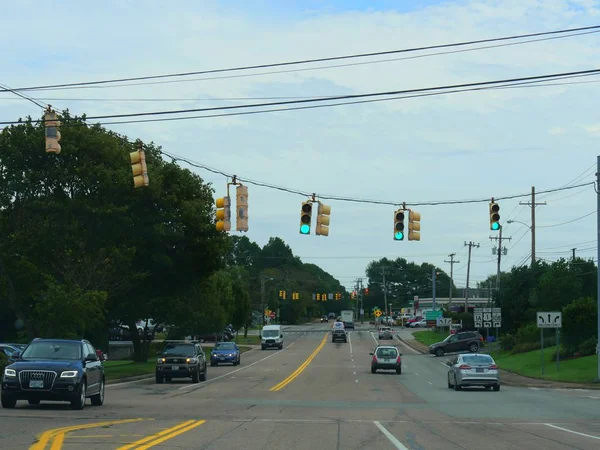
473	370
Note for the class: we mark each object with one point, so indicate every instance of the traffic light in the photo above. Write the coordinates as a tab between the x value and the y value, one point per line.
52	123
323	212
399	225
305	218
366	291
338	296
241	207
323	297
282	295
318	297
494	216
295	296
353	294
414	226
138	167
223	214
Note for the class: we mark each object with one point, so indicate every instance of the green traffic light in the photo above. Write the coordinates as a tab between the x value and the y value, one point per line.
495	226
304	229
399	235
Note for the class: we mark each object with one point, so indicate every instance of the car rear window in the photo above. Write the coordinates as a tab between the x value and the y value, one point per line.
387	353
478	359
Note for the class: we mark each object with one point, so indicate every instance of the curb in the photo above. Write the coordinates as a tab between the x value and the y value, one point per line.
128	379
536	382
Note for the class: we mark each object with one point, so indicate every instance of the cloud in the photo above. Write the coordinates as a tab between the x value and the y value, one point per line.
455	146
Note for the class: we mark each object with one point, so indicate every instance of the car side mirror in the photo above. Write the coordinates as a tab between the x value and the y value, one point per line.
371	353
16	355
281	335
91	357
449	363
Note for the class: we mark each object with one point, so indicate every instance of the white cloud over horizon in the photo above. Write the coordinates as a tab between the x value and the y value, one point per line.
456	146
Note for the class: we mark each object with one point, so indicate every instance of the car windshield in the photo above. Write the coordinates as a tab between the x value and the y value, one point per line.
387	352
338	325
53	350
179	350
270	333
385	329
225	346
478	359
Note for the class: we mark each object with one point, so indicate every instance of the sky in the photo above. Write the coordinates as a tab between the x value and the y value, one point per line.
474	145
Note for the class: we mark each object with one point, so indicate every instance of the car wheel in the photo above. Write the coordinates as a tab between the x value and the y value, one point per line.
196	376
262	347
439	352
373	370
79	401
487	388
8	402
399	371
33	401
203	374
496	387
473	347
98	399
159	379
213	364
457	387
449	384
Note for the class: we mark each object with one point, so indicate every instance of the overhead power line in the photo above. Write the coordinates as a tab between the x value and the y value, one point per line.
422	91
314	60
176	158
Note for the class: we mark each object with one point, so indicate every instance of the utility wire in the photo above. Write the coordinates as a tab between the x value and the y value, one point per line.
23	96
176	158
314	60
419	92
565	223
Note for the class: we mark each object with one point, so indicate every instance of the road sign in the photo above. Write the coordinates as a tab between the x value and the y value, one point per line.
478	324
378	313
330	296
546	319
444	321
497	324
272	315
487	324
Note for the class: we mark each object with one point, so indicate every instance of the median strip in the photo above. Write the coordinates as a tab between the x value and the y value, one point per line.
163	436
300	369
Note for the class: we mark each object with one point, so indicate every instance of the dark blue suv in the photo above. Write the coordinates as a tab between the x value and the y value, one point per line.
54	370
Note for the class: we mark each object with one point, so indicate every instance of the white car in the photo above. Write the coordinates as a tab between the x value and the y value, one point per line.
420	324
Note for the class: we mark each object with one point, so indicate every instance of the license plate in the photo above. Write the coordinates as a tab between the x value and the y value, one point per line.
36	384
222	358
174	367
479	370
386	360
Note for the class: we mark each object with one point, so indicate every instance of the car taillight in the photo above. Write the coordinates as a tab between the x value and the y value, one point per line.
399	360
464	367
374	358
493	366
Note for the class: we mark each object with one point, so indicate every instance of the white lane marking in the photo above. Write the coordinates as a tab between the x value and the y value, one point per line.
417	374
571	431
373	336
356	381
350	342
354	373
236	370
407	346
395	442
129	382
430	383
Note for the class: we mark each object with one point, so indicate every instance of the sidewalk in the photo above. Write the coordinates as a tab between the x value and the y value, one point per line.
508	378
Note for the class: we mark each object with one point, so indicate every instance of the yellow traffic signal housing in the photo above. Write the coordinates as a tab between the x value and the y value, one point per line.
295	296
139	168
399	217
52	123
223	214
323	297
318	296
241	206
414	226
494	216
305	218
323	212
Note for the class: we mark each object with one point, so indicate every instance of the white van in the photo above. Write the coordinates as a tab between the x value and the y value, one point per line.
271	336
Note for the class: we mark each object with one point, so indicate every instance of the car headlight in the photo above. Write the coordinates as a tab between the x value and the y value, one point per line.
191	360
68	374
161	360
10	373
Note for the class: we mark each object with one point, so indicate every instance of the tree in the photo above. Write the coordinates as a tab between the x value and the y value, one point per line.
579	325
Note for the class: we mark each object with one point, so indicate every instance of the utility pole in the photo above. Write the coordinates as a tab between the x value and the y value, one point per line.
533	204
433	274
471	245
573	253
597	187
452	262
384	290
262	299
500	251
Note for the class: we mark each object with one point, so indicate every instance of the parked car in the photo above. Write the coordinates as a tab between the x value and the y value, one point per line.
55	370
181	360
386	357
409	322
422	323
225	352
459	342
473	370
10	350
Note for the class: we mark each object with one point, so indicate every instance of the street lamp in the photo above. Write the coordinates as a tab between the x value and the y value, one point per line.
532	238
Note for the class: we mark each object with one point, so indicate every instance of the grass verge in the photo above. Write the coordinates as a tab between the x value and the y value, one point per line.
574	370
249	340
429	337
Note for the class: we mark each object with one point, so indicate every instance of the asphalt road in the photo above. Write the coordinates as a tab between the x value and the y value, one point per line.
278	400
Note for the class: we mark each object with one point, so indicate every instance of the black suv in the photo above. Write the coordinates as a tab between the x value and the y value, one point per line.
181	360
55	370
459	342
339	335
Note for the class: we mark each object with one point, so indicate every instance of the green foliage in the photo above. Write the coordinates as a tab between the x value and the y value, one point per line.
579	327
3	362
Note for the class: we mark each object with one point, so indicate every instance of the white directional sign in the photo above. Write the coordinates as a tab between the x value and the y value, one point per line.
497	324
487	324
444	321
487	317
549	319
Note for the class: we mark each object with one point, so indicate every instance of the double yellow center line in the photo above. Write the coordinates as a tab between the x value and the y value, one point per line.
163	436
300	369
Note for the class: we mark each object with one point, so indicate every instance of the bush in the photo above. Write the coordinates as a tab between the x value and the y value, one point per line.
588	347
528	333
3	363
579	324
508	342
